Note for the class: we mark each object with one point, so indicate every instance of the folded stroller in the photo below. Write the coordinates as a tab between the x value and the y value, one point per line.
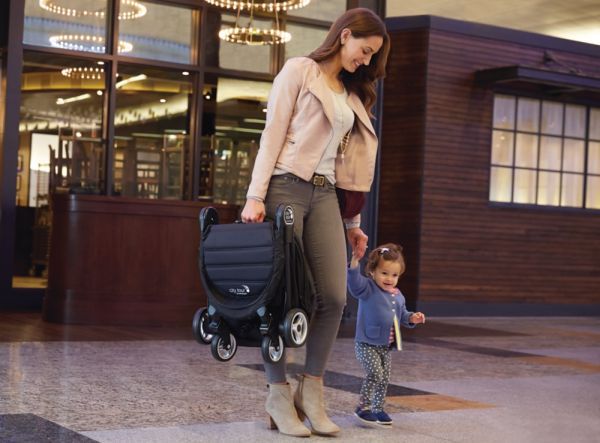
258	289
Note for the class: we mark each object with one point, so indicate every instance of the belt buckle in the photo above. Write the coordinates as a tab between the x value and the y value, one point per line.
318	180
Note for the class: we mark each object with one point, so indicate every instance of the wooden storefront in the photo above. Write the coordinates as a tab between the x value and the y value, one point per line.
464	252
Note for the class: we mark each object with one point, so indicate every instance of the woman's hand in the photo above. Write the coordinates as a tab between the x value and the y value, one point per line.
358	242
253	212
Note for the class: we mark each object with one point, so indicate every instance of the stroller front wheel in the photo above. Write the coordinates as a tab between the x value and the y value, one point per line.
272	350
295	328
200	325
222	351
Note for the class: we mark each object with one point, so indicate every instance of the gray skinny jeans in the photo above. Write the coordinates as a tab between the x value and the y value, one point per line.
317	221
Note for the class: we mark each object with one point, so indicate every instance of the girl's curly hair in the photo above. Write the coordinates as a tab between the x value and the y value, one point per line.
387	252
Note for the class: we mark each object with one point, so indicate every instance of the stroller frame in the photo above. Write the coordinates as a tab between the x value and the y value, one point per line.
274	321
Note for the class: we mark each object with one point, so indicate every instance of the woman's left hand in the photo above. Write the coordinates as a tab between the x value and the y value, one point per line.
358	242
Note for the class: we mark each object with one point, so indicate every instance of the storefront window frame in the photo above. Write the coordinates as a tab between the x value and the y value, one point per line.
510	201
13	13
197	68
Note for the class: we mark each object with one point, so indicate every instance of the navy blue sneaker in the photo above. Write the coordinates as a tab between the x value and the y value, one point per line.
383	418
366	416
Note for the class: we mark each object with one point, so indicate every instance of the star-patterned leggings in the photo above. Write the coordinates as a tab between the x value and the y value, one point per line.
377	363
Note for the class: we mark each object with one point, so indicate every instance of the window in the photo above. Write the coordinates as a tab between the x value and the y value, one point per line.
228	55
151	132
306	39
60	127
545	153
234	117
320	10
77	26
162	33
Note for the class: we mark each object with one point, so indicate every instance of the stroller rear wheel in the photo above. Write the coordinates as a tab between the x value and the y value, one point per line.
200	327
272	349
295	328
220	350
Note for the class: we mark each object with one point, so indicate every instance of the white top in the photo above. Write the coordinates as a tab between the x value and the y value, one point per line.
343	122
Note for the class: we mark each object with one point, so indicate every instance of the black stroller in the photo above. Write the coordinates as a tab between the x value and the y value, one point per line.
258	289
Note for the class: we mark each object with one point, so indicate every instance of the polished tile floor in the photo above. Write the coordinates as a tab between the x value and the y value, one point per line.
457	380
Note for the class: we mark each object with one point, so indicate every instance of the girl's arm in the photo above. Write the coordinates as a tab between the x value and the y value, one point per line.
358	284
404	315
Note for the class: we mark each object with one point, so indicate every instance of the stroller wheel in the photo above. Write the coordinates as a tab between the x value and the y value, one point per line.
200	326
272	350
220	351
295	328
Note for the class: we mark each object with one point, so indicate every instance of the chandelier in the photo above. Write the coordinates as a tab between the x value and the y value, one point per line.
85	42
250	35
130	10
263	6
83	73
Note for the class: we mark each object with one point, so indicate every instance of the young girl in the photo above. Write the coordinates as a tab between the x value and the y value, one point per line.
381	309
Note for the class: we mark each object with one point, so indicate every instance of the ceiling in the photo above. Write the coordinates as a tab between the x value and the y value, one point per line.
570	19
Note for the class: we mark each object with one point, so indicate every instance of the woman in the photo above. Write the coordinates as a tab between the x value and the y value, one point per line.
317	134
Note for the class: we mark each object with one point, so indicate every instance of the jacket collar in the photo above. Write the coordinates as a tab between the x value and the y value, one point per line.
319	88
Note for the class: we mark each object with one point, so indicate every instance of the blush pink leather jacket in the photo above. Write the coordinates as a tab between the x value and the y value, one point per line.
298	129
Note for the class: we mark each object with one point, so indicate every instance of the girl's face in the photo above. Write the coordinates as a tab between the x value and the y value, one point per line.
386	274
356	52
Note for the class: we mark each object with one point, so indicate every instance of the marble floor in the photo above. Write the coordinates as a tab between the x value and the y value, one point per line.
457	380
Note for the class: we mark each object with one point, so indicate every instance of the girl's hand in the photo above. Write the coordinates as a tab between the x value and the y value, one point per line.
354	261
416	318
253	212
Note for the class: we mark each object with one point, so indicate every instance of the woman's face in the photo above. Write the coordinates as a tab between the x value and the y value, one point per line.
357	51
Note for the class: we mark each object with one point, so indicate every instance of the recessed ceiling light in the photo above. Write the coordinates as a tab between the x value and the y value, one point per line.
163	100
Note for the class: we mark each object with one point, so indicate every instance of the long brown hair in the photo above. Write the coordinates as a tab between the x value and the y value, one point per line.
361	22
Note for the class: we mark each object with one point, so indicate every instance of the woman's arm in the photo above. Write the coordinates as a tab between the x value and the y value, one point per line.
280	109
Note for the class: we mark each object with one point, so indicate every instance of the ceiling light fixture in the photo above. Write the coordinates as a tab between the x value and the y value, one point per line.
254	36
130	10
249	35
64	101
263	6
83	73
88	43
135	78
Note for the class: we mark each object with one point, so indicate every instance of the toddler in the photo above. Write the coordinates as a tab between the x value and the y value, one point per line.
381	309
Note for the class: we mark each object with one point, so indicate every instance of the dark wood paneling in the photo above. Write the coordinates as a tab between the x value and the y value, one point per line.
121	261
402	138
471	250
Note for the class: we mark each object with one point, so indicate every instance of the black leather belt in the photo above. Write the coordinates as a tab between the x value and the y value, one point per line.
318	180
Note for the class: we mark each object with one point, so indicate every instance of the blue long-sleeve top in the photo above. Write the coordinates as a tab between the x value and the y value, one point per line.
376	309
